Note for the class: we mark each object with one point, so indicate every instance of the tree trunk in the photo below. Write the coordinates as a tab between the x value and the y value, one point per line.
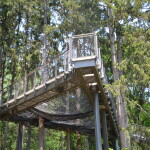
41	133
68	139
87	143
79	146
68	131
120	104
120	53
5	136
62	142
1	76
20	137
44	74
78	107
29	137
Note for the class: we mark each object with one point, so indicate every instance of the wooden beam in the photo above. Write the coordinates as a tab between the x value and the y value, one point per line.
85	86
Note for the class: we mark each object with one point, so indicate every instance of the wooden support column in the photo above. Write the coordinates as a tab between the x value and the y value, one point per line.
62	142
5	136
87	143
97	123
29	137
41	133
68	139
19	137
79	146
105	131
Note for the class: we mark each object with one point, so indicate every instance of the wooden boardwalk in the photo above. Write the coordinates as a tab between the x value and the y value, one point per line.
82	67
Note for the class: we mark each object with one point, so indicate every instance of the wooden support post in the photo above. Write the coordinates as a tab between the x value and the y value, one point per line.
87	143
5	136
79	146
97	123
29	137
68	139
56	67
62	142
41	133
105	131
19	137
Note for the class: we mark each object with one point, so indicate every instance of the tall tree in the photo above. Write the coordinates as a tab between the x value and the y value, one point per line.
120	104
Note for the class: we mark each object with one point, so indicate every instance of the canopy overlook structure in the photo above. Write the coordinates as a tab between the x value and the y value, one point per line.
68	93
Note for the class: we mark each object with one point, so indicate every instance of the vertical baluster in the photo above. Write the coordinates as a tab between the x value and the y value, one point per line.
16	90
47	71
25	84
95	45
34	84
69	55
65	64
66	55
70	48
8	94
56	67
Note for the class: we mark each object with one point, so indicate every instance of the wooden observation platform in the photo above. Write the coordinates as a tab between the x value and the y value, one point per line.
80	66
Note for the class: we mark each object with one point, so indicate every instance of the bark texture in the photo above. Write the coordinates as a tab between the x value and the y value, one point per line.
122	117
29	137
1	76
79	146
41	133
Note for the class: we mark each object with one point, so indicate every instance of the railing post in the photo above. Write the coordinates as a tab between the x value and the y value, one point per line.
70	48
68	139
70	54
56	67
97	123
16	90
95	45
8	93
65	63
34	84
25	84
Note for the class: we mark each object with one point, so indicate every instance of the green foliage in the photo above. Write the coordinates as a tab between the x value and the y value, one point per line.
22	28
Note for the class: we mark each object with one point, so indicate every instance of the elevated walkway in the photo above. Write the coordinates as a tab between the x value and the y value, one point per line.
80	66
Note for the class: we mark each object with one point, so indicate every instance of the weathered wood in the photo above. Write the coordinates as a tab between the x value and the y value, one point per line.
5	136
85	86
41	133
33	95
79	146
1	76
87	143
20	137
28	137
122	114
58	86
62	142
68	139
105	99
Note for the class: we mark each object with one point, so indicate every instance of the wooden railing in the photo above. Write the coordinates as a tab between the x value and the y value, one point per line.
79	46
